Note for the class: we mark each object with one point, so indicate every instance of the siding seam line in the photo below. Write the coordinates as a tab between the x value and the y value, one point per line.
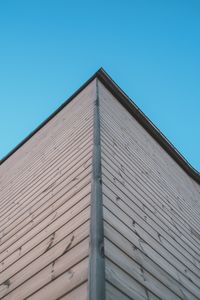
96	286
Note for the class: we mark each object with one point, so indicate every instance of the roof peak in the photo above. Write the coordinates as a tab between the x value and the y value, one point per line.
145	122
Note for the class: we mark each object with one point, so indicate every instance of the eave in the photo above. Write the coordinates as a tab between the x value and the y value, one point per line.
134	111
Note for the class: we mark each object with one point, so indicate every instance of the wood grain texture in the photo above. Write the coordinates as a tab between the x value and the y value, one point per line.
80	292
114	293
151	212
45	192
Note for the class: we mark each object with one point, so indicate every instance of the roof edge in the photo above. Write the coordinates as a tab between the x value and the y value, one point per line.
135	112
48	119
146	123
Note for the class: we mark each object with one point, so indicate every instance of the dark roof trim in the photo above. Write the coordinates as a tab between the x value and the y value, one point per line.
48	119
147	124
137	114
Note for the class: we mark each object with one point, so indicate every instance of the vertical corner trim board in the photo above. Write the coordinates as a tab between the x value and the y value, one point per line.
97	263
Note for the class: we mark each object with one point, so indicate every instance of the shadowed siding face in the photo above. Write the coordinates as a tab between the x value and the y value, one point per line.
45	191
151	213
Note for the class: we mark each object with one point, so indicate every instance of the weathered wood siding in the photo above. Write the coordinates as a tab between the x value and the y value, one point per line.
45	199
151	210
151	213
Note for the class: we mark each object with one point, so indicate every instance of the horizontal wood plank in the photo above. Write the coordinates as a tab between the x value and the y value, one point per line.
62	265
80	292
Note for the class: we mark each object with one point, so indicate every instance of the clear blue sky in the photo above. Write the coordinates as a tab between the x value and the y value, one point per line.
151	48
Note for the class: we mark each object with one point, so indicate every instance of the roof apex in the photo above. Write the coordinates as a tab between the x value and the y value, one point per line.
123	98
146	123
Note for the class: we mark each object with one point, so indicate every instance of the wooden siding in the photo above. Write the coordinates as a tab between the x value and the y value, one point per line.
151	213
45	194
151	210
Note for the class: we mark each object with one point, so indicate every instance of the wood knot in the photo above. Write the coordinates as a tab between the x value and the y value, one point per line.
101	250
7	283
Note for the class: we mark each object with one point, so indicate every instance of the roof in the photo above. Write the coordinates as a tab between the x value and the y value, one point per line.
134	111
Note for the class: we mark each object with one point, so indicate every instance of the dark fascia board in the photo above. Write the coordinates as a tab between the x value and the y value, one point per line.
147	124
48	119
117	92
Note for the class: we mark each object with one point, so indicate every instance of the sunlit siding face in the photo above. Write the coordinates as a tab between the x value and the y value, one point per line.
45	199
151	213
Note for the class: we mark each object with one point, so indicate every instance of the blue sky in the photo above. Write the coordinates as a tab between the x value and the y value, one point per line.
151	48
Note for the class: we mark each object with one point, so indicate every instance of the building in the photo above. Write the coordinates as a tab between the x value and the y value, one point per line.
97	204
